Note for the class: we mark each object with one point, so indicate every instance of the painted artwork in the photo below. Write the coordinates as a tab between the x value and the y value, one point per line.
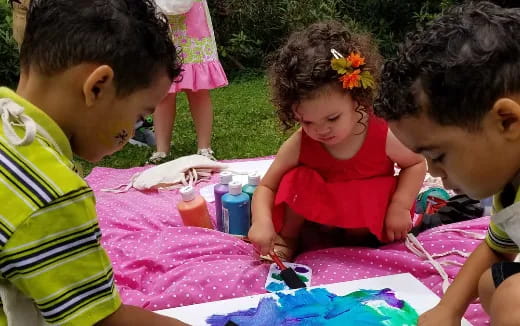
321	307
394	300
274	281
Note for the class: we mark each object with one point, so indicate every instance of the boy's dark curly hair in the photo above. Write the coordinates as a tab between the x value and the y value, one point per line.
456	68
130	36
302	67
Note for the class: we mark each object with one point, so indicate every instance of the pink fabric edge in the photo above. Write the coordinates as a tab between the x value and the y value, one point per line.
197	76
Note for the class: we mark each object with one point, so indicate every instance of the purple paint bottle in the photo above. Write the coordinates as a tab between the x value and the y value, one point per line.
220	190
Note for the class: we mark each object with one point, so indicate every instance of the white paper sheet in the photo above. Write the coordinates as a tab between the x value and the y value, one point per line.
405	286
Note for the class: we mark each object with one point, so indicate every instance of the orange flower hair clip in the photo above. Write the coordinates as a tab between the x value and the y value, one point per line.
351	70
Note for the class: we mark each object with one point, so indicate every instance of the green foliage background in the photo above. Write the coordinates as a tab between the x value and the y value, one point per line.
8	51
247	31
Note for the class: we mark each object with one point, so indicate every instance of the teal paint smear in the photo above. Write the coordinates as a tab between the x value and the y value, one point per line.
320	307
279	277
409	317
275	286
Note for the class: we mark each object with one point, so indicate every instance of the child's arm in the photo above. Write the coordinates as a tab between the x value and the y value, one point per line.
463	290
410	180
262	231
129	315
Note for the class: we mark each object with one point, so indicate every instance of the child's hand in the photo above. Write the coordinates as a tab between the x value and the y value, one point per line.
262	235
397	222
439	315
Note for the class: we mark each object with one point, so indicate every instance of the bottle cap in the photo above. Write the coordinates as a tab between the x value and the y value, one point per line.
226	177
235	188
187	193
253	178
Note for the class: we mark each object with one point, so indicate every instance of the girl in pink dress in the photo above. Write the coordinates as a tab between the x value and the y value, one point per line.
193	34
337	169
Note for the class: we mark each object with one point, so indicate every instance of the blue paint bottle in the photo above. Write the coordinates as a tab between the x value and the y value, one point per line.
220	190
236	216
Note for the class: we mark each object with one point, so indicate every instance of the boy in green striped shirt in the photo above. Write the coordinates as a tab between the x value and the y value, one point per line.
453	94
89	70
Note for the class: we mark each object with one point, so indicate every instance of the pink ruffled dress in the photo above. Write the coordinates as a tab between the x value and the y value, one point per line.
193	34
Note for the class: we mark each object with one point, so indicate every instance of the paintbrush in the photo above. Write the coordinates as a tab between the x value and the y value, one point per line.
288	274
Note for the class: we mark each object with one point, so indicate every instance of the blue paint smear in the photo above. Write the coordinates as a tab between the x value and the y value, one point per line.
320	307
275	286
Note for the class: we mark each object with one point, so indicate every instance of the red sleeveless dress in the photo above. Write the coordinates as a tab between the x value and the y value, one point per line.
352	193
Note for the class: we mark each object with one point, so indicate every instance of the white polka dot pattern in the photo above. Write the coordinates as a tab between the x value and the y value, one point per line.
159	263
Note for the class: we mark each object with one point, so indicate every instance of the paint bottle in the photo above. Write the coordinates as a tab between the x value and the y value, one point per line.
220	190
236	210
487	204
253	179
422	198
193	209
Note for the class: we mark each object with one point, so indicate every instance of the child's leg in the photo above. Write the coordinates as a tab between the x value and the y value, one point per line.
499	292
163	120
202	114
287	239
486	288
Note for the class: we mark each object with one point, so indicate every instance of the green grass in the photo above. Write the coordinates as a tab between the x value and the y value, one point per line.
245	126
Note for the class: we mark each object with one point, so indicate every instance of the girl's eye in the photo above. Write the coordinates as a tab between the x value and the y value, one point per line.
306	123
333	118
439	158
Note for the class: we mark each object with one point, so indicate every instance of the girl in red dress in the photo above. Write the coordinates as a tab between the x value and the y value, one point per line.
337	169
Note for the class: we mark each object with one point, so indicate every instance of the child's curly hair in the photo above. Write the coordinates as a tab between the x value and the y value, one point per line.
456	68
132	37
302	67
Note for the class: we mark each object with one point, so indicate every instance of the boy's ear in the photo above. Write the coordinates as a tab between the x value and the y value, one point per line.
99	83
506	112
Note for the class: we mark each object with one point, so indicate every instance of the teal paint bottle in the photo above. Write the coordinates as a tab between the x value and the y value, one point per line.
236	208
253	179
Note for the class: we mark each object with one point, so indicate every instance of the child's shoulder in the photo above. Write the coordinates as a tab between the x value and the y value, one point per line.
295	139
36	151
33	177
41	162
380	122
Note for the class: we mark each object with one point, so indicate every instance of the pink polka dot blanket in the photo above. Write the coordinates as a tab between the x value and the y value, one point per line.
159	263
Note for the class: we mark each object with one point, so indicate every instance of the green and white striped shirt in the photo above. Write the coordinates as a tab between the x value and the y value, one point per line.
496	238
49	236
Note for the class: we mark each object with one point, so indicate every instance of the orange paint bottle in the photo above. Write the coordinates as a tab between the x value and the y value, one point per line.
193	209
